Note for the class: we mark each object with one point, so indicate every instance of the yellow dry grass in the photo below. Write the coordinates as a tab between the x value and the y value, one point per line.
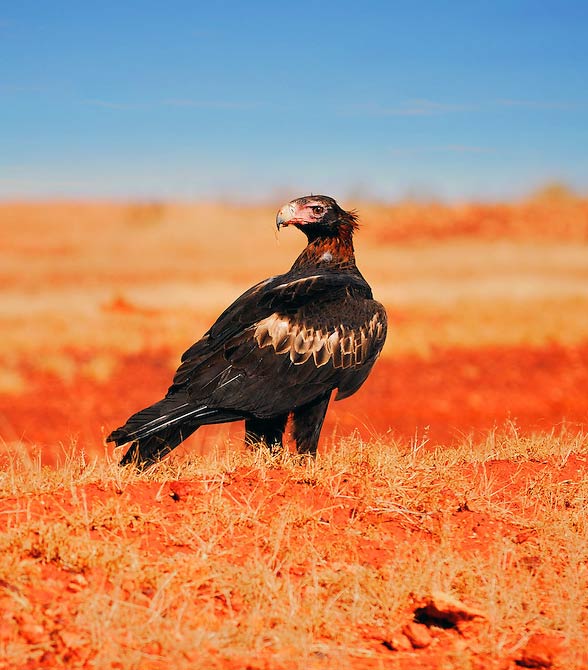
251	576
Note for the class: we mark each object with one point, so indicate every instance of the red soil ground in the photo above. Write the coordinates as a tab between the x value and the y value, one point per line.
57	598
443	398
435	399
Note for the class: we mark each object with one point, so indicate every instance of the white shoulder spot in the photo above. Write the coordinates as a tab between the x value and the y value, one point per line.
327	256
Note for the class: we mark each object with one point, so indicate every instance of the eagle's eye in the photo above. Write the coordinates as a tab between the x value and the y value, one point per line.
317	209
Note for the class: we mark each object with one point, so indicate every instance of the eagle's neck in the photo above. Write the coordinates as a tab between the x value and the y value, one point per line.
336	251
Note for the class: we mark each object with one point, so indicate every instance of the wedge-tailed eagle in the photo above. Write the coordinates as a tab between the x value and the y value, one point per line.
279	350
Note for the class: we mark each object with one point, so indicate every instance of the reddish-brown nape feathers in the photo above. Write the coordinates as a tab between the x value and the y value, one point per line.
333	249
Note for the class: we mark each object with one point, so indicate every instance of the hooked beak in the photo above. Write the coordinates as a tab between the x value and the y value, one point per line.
286	216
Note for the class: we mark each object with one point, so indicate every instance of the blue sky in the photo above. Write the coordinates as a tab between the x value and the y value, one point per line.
257	100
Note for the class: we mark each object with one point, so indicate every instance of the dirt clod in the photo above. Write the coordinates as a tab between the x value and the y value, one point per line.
445	610
525	536
418	634
32	633
77	583
541	651
398	642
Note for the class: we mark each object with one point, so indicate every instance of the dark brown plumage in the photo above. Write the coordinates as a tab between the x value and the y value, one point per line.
278	350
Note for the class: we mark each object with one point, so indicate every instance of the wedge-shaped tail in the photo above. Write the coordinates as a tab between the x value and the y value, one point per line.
156	430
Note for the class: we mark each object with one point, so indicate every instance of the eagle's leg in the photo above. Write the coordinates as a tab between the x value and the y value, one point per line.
268	431
308	421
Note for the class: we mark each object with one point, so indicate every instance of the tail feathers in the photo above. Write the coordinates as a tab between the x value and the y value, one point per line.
148	450
156	430
156	418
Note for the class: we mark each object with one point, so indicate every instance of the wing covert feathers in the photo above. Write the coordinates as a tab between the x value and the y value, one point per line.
343	345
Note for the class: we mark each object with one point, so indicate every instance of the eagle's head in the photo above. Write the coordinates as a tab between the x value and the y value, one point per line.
317	216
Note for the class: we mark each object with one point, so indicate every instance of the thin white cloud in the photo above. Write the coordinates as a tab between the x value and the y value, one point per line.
418	107
171	102
41	182
424	107
209	104
541	104
109	104
446	148
467	149
7	89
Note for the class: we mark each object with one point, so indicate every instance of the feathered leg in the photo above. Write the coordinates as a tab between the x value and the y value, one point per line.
308	421
269	431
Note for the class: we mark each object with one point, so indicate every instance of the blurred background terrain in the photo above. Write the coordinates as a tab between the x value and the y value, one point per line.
487	304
